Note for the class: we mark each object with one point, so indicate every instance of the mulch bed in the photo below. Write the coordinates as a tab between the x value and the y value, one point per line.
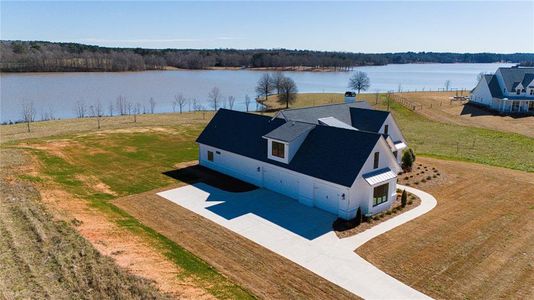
348	228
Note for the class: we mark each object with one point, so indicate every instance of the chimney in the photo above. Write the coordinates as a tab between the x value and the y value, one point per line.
350	97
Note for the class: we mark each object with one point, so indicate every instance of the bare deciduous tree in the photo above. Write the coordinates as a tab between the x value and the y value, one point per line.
447	84
247	102
97	111
231	101
359	81
136	109
121	105
264	88
28	113
288	92
180	100
276	80
80	108
214	97
110	108
152	103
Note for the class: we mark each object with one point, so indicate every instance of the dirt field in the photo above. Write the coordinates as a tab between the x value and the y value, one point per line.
259	270
478	243
438	107
41	257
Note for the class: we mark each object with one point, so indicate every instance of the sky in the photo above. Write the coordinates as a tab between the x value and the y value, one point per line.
357	26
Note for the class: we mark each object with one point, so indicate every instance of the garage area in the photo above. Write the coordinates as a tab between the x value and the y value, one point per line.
326	197
280	181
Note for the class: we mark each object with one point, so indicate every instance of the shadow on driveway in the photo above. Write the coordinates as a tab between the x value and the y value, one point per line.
307	222
197	173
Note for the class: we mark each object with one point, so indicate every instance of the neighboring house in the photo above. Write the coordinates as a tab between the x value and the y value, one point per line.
509	90
324	163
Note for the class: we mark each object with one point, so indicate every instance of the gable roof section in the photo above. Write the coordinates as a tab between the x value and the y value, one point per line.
368	119
529	77
313	114
289	131
514	75
494	87
333	154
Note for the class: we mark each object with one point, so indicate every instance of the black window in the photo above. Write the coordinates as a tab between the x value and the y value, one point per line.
386	129
380	194
210	155
278	149
377	159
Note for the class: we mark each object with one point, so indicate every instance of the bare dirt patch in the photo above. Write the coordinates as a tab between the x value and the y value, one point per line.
477	243
259	270
94	183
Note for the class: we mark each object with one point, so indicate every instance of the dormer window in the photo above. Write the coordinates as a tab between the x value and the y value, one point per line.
518	91
386	129
278	149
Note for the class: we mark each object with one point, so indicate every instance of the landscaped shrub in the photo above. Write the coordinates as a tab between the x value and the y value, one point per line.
404	198
428	177
410	202
407	160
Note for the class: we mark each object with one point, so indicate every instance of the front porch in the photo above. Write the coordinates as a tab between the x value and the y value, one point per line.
513	106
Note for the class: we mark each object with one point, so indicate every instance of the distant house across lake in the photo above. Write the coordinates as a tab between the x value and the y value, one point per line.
509	90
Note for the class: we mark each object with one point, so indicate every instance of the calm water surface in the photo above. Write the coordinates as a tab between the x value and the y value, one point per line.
57	92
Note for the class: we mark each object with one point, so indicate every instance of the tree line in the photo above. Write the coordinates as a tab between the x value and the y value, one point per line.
40	56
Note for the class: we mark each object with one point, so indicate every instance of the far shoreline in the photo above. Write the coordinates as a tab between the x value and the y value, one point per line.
267	69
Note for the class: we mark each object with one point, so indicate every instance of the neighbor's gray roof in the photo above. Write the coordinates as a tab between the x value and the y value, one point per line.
514	75
289	131
312	114
494	87
527	79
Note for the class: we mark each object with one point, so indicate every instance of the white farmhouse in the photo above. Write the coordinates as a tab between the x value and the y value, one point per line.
339	158
509	90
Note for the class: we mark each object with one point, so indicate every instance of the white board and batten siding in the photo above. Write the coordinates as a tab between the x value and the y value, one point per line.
362	191
307	190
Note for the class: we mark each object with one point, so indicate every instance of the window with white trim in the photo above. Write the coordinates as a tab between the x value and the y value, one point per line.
278	149
380	194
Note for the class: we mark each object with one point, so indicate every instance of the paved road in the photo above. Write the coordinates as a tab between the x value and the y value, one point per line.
303	234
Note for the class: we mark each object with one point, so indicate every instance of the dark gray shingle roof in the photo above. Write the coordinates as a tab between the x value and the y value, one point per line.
314	113
513	75
368	119
494	87
289	131
329	153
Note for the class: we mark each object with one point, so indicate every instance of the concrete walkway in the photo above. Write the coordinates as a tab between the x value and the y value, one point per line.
303	234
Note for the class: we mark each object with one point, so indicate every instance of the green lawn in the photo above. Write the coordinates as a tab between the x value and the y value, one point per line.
131	163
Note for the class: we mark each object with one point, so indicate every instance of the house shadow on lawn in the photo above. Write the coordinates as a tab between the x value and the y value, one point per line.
197	173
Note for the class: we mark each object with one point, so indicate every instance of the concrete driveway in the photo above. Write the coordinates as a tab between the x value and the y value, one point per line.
302	234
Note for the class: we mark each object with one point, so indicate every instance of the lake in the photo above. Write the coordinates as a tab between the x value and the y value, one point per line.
58	92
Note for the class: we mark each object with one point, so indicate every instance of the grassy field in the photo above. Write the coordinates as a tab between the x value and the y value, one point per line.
46	258
478	243
445	140
101	166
